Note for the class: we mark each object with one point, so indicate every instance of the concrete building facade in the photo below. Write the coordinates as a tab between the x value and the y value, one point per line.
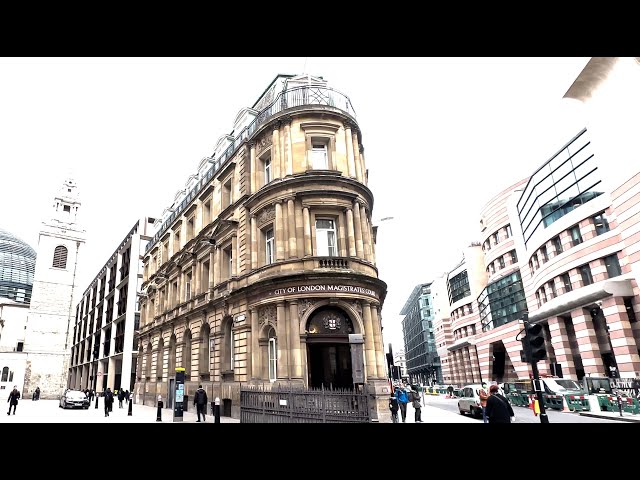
263	269
103	350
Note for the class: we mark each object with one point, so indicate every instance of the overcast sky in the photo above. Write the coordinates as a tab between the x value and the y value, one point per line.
442	136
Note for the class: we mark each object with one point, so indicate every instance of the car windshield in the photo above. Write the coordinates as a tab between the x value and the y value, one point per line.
76	395
563	384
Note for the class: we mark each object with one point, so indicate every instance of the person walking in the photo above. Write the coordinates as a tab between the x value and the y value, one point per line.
450	390
37	393
200	401
498	408
414	398
403	399
120	397
484	395
126	395
14	395
108	402
393	406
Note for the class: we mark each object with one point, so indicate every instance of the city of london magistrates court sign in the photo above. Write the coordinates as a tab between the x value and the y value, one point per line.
323	288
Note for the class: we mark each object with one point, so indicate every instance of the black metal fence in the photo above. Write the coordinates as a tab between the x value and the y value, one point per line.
264	404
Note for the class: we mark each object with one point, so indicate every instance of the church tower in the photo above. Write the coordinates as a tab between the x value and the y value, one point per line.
47	341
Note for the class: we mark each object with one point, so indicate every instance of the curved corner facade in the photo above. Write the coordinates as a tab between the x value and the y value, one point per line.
263	270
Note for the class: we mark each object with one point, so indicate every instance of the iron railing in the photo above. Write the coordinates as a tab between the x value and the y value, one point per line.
291	98
263	404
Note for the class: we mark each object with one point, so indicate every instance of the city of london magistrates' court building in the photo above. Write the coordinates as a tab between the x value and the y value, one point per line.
263	268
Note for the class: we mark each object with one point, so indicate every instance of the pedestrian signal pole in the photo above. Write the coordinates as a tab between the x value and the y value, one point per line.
533	343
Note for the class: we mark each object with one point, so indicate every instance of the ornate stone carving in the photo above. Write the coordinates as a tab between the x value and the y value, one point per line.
304	305
357	306
267	313
265	141
266	215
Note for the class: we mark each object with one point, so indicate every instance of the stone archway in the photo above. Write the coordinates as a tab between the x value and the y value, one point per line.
328	350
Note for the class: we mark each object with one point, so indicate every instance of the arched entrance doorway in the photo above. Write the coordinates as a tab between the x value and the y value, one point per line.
328	350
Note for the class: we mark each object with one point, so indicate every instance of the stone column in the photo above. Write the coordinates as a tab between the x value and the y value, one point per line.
255	346
561	345
350	233
299	230
234	256
287	149
279	233
275	160
291	219
356	149
475	363
350	159
369	348
468	365
307	231
366	233
359	170
254	166
587	342
357	226
216	272
294	340
283	350
363	168
194	278
254	243
377	340
212	267
283	150
285	226
623	342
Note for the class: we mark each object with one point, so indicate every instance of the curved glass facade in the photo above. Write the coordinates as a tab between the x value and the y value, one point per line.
17	266
503	301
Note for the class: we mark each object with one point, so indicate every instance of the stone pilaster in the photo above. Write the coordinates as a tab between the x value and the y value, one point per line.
254	243
279	233
294	331
291	219
587	342
350	158
623	342
369	348
377	340
282	347
351	233
357	226
366	233
256	367
561	345
275	160
253	166
307	231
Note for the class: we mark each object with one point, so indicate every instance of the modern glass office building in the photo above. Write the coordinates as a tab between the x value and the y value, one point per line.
17	266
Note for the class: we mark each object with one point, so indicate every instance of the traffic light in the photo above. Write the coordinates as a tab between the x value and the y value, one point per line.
535	340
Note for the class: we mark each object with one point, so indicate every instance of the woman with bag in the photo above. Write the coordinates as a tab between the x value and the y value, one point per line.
498	408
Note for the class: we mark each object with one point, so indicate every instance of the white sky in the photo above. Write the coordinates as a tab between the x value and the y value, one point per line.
442	136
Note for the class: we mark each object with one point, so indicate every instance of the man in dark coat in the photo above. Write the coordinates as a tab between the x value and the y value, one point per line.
498	408
120	397
108	401
13	400
200	401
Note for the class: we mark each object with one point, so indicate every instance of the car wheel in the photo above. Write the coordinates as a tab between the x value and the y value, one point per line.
461	412
472	412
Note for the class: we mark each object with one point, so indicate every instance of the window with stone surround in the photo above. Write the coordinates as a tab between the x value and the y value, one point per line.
585	273
326	244
273	355
60	257
269	246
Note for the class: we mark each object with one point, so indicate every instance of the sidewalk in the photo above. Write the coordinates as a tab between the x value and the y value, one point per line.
48	411
431	414
626	417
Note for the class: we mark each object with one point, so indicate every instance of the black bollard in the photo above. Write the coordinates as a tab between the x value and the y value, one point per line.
130	408
97	397
159	415
216	410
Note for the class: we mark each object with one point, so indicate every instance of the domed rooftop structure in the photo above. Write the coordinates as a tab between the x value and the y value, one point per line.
17	266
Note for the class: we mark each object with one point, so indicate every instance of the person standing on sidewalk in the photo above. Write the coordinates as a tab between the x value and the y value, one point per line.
414	397
108	402
393	406
403	399
498	408
484	395
14	395
200	401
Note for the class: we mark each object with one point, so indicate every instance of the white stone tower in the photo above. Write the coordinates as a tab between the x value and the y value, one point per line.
47	341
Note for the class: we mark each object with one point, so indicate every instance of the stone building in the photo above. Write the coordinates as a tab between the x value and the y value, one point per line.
47	335
103	350
263	269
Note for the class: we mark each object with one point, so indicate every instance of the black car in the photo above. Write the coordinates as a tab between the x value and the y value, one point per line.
74	399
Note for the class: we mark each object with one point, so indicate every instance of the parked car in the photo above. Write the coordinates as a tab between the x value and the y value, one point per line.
469	400
74	399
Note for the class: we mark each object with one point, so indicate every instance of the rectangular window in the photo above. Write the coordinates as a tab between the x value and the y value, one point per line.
543	295
501	261
176	294
552	288
543	251
576	238
190	227
495	238
176	242
187	288
538	299
267	170
613	265
319	158
326	238
273	355
585	273
228	261
557	244
508	230
20	346
206	213
601	223
628	305
566	280
205	277
269	241
226	194
535	261
232	339
514	257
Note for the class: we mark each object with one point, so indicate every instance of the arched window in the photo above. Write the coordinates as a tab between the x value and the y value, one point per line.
186	355
60	257
273	355
5	374
204	355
